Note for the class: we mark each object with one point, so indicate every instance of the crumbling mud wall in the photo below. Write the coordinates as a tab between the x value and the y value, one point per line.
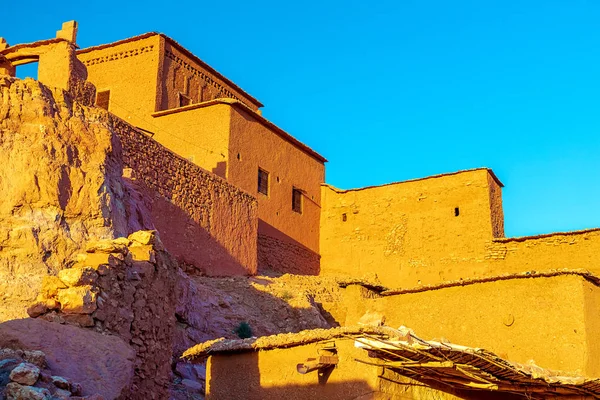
203	220
125	287
60	180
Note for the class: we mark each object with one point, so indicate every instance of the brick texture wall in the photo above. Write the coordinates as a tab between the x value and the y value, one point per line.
205	222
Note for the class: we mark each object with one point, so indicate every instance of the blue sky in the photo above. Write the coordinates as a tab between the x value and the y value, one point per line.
400	89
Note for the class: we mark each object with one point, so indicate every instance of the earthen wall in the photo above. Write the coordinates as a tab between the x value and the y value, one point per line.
198	134
253	145
414	232
547	319
182	74
203	220
129	70
577	249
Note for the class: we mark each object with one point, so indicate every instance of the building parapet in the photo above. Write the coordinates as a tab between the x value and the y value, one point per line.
255	115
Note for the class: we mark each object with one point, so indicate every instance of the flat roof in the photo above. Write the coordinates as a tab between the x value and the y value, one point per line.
489	170
184	51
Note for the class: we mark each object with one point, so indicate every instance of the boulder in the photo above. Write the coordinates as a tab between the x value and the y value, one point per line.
102	364
25	374
15	391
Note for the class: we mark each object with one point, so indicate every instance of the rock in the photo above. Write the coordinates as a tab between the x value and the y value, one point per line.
14	391
37	309
25	374
60	382
78	276
61	394
192	385
50	286
77	300
144	237
61	184
102	364
142	253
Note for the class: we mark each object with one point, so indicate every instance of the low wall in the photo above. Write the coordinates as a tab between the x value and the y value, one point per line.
578	249
547	319
203	220
124	287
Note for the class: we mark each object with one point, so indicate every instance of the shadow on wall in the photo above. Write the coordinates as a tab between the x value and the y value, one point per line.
221	169
191	244
279	254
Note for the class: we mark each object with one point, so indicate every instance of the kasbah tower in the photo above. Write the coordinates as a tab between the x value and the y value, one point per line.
208	184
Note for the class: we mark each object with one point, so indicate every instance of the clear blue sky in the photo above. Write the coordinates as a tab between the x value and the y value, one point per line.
399	89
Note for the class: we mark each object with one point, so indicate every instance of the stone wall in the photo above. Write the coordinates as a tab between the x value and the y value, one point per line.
125	287
203	220
280	256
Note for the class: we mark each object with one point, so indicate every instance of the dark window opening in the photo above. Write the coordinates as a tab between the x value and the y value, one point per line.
103	99
184	100
456	212
263	182
297	200
239	157
344	217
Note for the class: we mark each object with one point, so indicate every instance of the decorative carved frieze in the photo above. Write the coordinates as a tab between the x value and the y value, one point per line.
118	55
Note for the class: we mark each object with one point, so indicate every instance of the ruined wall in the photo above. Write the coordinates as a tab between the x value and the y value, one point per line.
124	287
203	220
415	232
182	73
198	134
547	319
285	257
129	69
254	145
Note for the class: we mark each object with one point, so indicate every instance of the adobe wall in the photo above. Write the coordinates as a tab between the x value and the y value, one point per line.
407	233
577	249
546	319
271	374
252	145
181	73
203	220
130	71
198	134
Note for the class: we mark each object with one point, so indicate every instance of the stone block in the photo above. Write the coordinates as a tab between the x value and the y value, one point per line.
14	391
142	253
51	286
25	374
78	276
77	300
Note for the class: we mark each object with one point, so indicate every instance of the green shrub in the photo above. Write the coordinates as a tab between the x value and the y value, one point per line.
287	295
243	330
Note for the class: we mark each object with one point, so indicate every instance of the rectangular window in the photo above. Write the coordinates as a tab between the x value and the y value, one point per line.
184	100
263	182
297	200
102	99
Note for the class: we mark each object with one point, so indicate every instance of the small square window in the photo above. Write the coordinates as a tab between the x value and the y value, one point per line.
103	99
297	200
263	182
184	100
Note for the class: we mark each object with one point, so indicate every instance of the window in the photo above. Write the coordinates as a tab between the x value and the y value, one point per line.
184	100
102	99
297	200
263	182
456	212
